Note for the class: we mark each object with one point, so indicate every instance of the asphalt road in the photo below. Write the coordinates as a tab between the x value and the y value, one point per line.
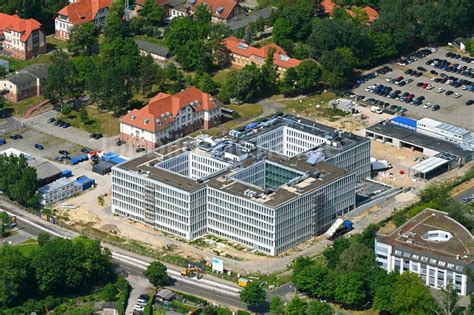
206	288
467	193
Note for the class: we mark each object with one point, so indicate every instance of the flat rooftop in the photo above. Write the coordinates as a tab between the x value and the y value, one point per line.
312	176
417	139
345	140
412	237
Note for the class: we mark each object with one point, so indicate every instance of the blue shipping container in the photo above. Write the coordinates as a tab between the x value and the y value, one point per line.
66	173
108	156
405	122
85	182
347	224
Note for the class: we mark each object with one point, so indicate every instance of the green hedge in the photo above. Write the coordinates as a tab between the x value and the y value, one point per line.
124	288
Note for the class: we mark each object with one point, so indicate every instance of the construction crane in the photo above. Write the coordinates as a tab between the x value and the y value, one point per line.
192	271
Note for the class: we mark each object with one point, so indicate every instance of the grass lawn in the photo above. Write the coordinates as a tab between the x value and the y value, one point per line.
221	75
315	105
54	43
153	40
19	109
17	64
27	247
99	122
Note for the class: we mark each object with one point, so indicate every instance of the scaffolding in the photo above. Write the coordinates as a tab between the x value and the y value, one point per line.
318	213
149	202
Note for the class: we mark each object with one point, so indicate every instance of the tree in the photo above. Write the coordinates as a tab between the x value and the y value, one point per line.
357	257
277	306
244	85
83	115
156	274
61	84
109	292
83	39
15	277
309	76
351	290
205	83
294	21
18	181
449	299
253	294
114	27
149	74
319	308
333	253
411	296
3	72
43	238
470	46
153	13
296	307
337	70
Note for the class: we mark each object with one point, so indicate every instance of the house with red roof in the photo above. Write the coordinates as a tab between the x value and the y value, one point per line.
328	7
169	117
222	11
242	54
79	12
21	38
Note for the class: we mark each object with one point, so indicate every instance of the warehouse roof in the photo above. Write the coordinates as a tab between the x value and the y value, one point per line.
417	139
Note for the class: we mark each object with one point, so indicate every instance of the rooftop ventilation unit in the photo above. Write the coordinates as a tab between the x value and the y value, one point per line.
134	117
250	193
219	10
243	46
283	57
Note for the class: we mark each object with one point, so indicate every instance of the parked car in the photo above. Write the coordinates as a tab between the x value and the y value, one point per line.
96	136
2	141
51	120
449	92
16	137
457	95
138	150
39	146
59	158
119	142
470	102
435	108
63	152
427	105
420	68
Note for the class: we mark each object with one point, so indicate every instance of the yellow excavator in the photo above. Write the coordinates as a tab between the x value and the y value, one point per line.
192	271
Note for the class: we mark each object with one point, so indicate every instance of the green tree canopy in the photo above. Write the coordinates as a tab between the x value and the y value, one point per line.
153	12
83	39
18	180
253	294
277	306
15	277
156	274
296	306
319	308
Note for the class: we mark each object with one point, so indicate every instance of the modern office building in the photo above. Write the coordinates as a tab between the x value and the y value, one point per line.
249	192
432	245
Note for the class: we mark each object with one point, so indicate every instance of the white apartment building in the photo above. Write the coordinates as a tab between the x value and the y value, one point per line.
79	12
265	200
432	245
169	117
58	190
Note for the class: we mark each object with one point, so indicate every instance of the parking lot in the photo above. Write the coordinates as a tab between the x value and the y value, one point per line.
452	110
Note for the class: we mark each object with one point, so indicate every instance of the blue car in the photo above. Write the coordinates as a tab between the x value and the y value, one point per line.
2	141
39	146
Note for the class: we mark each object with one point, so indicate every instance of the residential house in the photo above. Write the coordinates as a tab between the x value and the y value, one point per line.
243	54
222	11
79	12
328	7
25	83
157	52
432	245
243	20
169	117
21	38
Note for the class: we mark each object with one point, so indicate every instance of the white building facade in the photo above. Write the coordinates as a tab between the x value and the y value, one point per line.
58	190
433	246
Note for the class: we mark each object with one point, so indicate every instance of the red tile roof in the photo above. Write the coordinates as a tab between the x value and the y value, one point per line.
14	22
280	58
162	109
83	11
227	7
371	13
329	7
